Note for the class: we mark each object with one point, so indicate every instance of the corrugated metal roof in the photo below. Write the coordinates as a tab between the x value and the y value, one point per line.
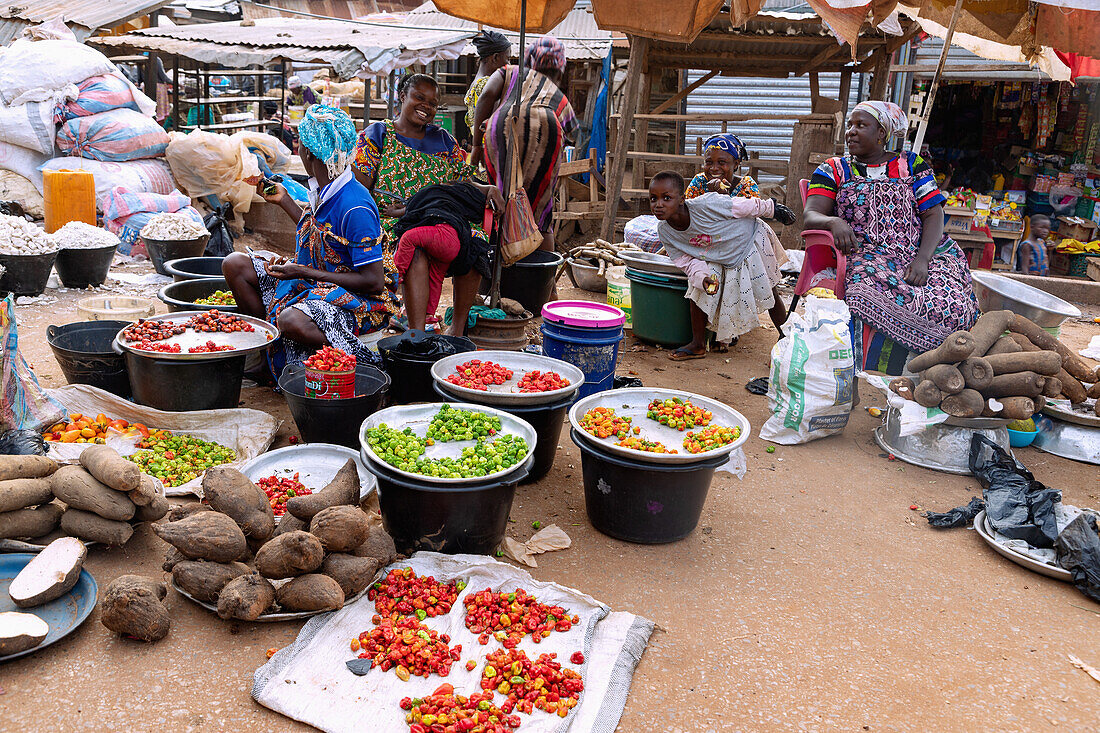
82	16
582	38
345	9
958	59
351	47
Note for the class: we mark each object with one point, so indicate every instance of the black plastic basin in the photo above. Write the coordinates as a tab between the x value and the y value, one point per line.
181	296
178	385
84	353
163	250
194	268
411	374
333	421
79	268
26	274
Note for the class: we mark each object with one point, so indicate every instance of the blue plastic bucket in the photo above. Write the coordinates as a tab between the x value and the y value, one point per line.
594	349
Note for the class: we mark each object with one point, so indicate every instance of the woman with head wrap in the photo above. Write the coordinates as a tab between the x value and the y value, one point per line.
339	285
907	284
493	50
545	120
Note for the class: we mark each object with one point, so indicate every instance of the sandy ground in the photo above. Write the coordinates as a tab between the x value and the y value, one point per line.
809	598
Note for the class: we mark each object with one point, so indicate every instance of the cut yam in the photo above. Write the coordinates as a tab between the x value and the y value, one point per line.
50	574
20	493
902	386
340	528
94	528
20	632
946	377
989	328
133	605
205	536
26	467
30	523
955	348
1071	362
968	403
111	469
246	597
80	490
343	489
313	592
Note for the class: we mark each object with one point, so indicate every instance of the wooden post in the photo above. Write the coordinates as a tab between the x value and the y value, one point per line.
641	132
845	91
639	46
366	102
922	127
880	76
812	134
177	80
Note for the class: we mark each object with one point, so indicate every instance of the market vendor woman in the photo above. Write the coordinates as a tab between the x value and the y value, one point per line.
907	284
337	286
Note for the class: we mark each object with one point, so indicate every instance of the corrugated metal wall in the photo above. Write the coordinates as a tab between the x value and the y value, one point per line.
749	95
928	54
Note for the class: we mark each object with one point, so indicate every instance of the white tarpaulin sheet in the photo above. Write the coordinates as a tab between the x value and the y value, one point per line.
249	432
309	680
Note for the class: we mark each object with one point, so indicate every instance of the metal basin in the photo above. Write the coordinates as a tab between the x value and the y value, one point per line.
997	292
650	262
1076	442
586	277
944	447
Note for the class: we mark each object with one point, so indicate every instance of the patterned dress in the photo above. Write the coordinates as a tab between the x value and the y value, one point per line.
472	95
403	165
746	187
890	317
546	119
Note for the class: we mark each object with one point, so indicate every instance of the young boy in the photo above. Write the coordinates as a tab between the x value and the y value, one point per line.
716	240
1033	250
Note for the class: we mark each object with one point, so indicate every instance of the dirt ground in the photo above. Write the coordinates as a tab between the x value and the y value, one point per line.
809	598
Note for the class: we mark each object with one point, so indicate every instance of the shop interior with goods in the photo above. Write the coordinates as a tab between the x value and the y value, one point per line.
1006	150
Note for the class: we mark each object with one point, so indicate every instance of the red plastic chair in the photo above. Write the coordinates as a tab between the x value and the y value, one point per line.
821	254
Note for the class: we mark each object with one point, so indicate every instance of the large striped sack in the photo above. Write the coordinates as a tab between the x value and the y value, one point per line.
125	212
102	93
114	136
153	176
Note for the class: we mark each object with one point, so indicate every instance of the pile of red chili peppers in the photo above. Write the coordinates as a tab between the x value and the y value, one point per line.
509	616
543	683
408	647
405	593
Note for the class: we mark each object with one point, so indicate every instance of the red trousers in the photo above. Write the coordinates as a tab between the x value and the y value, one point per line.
440	245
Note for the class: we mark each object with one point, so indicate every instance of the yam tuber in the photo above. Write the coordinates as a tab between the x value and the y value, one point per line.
955	348
1004	345
133	605
152	511
1071	362
246	597
378	545
1017	384
903	387
26	467
313	592
1071	388
30	523
204	580
946	377
1017	408
290	523
976	372
290	554
80	490
205	536
20	493
968	403
927	394
351	572
172	557
146	492
1053	387
182	511
1094	391
340	528
1023	342
111	469
230	492
94	528
989	328
343	489
1047	363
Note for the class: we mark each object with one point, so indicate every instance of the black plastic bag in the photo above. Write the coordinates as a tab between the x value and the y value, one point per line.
960	516
418	343
623	382
22	443
221	239
758	386
1078	549
1016	504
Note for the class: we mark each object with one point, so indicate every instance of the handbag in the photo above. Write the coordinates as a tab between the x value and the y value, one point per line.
519	232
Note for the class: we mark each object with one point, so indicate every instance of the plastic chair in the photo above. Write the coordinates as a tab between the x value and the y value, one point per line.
821	254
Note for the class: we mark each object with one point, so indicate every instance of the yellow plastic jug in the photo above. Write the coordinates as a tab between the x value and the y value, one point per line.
68	195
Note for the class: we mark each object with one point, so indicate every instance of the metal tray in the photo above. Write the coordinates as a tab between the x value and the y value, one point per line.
1082	414
418	416
315	463
943	447
243	342
270	618
520	362
1076	442
985	531
63	614
633	401
651	262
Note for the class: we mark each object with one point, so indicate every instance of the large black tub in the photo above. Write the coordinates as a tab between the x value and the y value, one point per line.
333	421
530	280
194	268
175	385
84	353
649	503
468	518
411	373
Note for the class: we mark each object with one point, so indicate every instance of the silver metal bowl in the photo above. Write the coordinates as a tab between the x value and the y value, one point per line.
650	262
997	292
586	277
942	447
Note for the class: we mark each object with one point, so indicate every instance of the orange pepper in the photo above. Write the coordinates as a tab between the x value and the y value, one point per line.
74	416
87	433
119	424
70	437
101	418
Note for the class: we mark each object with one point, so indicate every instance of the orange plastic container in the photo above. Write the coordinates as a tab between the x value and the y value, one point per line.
68	195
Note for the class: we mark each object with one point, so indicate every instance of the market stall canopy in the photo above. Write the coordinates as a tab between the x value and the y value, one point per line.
352	48
82	16
663	19
578	32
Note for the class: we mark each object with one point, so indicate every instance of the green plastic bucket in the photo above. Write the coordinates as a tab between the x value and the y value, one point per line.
659	311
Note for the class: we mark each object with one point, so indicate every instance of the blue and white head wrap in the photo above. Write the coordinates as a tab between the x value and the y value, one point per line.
330	135
727	142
